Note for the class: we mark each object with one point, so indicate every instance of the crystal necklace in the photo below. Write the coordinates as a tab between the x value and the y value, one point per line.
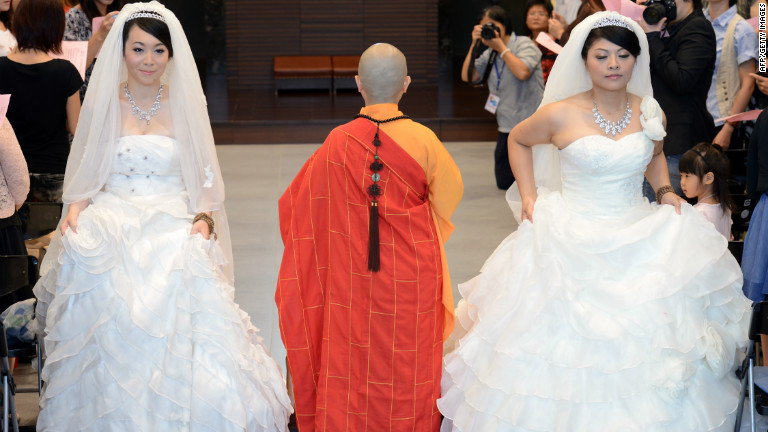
609	127
151	112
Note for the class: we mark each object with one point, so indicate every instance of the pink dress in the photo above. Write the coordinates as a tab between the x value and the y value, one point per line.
715	214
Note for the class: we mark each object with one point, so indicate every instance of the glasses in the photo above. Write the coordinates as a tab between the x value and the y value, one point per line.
538	13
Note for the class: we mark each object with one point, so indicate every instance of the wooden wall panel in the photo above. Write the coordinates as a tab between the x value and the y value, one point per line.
257	30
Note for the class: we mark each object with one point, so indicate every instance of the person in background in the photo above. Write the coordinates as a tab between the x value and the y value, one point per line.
14	187
682	65
704	177
79	21
45	103
512	69
562	31
538	13
760	94
567	9
7	41
732	82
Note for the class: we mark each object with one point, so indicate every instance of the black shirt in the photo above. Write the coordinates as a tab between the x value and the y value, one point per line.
681	72
37	110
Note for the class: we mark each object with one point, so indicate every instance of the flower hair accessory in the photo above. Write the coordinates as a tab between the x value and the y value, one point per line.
145	14
613	19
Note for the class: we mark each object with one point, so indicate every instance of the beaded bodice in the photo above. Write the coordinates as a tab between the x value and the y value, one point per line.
146	165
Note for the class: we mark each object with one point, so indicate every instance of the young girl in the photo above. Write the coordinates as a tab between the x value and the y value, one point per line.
703	175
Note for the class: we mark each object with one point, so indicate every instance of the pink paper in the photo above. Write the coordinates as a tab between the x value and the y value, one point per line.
745	116
755	23
5	99
76	52
96	24
546	41
627	8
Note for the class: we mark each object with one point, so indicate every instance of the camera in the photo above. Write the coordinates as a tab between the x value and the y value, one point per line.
489	30
656	10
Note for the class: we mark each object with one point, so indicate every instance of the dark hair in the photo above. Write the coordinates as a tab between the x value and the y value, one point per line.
91	11
584	11
703	158
153	26
546	4
697	4
39	25
497	13
618	35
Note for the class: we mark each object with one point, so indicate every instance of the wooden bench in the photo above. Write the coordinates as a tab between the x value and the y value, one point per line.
344	71
303	72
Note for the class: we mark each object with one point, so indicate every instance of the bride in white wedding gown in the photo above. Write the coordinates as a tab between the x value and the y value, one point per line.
602	312
135	298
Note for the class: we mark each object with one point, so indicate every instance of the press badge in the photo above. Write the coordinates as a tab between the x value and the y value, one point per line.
492	103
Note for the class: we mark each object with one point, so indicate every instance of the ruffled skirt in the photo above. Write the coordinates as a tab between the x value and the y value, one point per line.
583	323
142	332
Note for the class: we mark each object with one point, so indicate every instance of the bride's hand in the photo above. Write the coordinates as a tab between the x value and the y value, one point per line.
672	199
72	214
528	209
201	227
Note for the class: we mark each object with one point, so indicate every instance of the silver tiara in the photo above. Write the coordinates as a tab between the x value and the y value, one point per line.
612	20
146	14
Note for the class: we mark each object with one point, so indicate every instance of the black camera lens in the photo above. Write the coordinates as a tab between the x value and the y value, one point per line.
489	30
654	13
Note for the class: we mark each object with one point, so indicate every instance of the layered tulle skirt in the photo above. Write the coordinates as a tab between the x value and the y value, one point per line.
580	322
142	332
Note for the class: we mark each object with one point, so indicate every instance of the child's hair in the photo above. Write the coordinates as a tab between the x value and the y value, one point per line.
703	158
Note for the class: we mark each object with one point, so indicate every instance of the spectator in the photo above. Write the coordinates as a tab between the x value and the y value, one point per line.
514	95
7	41
732	83
14	186
682	66
562	32
79	21
537	16
45	103
568	9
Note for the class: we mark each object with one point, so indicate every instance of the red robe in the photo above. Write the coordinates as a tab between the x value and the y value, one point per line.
364	349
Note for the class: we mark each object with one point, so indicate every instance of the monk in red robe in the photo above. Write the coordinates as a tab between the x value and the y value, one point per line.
364	295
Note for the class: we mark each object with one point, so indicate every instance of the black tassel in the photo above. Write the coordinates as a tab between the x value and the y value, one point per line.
374	263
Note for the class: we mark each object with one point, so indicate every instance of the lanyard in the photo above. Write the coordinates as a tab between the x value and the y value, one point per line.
498	72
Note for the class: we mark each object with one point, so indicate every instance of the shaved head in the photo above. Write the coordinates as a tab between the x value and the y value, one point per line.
382	74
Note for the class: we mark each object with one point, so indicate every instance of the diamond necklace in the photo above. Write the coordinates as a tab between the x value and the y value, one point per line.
608	126
151	112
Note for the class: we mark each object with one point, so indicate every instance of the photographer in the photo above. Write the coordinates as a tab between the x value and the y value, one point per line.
512	70
682	64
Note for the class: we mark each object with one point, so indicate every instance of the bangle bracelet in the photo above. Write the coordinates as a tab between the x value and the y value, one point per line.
209	221
501	56
660	192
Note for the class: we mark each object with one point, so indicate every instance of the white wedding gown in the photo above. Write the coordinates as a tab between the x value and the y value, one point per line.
606	313
141	328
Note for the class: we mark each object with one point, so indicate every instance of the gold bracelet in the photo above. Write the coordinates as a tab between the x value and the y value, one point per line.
660	192
208	220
